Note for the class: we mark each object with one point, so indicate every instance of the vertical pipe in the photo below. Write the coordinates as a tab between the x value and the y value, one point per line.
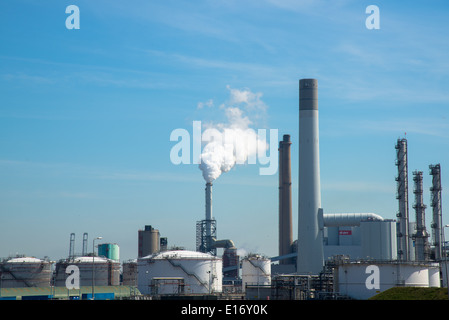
285	199
72	246
84	244
310	239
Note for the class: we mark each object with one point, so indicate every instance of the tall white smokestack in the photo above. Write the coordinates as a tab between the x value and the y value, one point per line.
310	215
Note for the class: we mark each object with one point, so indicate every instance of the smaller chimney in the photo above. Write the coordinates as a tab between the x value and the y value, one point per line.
208	201
285	199
209	215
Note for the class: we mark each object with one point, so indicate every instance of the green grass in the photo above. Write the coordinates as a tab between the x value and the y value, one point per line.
412	293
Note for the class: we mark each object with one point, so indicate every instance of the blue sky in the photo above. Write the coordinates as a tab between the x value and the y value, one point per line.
86	115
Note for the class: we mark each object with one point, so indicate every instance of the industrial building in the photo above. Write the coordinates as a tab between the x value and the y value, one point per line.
335	256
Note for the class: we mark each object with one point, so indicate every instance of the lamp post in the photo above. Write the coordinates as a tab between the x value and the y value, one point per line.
93	264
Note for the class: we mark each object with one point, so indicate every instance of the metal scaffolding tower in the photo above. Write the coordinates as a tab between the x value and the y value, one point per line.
402	196
206	231
421	235
436	204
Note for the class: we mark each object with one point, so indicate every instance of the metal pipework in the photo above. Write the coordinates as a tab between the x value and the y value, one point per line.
348	219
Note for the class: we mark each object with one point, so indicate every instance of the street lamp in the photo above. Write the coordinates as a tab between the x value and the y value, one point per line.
93	264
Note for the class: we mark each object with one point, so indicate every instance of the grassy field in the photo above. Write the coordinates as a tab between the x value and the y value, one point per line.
412	293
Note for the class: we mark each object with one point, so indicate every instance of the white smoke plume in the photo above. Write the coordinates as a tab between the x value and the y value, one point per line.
233	142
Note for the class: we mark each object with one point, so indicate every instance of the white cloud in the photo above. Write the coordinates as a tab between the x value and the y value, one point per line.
209	103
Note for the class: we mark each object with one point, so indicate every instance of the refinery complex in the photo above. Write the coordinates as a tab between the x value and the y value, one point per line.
338	256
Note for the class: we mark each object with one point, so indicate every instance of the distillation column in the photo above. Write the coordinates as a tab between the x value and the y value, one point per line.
420	236
436	204
402	196
310	234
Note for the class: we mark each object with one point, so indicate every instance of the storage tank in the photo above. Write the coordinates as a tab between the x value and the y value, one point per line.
256	270
103	272
23	272
363	280
129	273
109	251
179	272
148	241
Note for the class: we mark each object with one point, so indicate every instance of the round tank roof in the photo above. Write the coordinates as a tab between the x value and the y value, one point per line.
180	254
90	260
24	259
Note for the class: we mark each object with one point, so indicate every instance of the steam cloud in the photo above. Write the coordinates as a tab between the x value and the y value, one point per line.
234	142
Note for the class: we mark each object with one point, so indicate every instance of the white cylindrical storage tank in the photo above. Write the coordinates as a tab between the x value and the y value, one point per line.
256	270
97	270
434	277
179	272
25	272
364	280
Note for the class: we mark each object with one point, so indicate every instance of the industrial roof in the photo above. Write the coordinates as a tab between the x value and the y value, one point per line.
90	260
24	259
180	254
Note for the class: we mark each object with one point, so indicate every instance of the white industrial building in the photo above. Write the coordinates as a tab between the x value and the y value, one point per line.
359	236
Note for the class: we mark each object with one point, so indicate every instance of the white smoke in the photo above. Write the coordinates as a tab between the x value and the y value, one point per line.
233	142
